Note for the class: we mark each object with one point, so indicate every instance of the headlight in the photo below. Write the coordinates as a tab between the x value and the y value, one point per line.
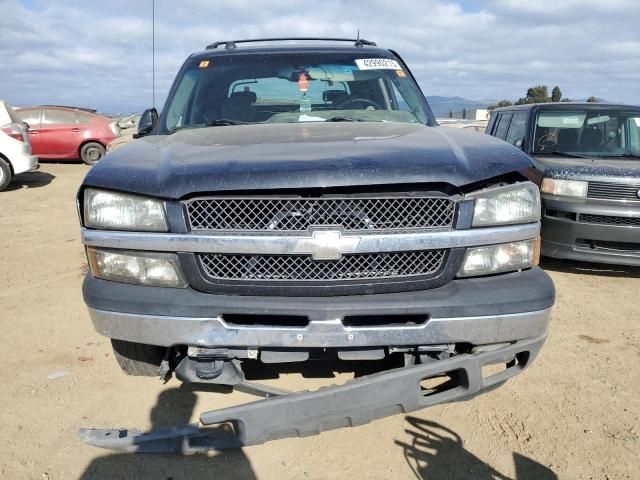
118	211
518	203
500	258
156	269
564	188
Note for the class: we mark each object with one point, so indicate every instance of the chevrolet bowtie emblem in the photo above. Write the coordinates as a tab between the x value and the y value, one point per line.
327	245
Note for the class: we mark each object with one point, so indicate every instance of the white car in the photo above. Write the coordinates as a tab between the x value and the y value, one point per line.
15	148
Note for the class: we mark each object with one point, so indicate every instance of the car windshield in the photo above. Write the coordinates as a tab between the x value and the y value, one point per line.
588	132
292	88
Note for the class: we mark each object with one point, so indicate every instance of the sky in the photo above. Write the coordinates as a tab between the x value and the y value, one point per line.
99	54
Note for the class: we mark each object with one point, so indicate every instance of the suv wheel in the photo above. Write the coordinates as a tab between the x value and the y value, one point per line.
5	174
91	152
138	358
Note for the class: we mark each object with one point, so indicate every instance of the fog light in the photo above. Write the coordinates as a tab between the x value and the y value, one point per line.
500	258
155	269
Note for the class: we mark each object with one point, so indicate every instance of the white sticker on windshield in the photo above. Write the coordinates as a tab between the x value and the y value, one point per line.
637	119
377	64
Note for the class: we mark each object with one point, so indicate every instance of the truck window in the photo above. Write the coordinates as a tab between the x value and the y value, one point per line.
518	128
503	125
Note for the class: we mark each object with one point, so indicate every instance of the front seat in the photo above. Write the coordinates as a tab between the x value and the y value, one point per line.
591	138
239	106
334	97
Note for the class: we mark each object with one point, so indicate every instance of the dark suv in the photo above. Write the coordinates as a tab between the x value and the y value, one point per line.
297	204
587	159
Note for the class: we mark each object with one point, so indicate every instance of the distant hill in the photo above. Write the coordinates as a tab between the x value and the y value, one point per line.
441	106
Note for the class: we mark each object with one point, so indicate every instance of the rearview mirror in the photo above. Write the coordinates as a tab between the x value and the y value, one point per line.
519	142
147	123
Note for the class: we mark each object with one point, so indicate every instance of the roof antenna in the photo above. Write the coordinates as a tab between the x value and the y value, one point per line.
153	52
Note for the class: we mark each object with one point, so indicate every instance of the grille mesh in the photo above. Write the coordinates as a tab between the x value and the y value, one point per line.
301	267
298	214
613	191
610	220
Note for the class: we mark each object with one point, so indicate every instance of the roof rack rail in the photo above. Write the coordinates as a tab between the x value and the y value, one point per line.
229	44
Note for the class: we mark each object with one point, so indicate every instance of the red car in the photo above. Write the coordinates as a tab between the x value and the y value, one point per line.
65	133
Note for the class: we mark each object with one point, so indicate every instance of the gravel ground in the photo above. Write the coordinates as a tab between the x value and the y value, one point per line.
574	414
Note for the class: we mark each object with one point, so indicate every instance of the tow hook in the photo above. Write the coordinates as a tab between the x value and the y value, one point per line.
202	365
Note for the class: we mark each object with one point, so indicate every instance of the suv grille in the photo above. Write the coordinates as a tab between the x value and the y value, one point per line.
614	191
609	220
298	214
302	267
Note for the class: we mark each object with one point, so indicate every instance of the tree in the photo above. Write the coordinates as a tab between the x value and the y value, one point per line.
501	103
592	100
556	94
537	94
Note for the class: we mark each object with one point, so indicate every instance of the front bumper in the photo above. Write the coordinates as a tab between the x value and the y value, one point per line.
479	311
565	236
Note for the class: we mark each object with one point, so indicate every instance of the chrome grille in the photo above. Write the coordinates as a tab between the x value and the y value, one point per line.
609	220
304	268
298	214
614	191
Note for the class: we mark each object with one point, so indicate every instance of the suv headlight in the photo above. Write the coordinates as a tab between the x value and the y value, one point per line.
119	211
564	188
518	203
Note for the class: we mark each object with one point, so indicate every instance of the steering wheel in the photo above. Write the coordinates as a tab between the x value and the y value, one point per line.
361	100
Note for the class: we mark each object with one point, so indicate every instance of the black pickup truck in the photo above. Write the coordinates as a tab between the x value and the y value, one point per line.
297	203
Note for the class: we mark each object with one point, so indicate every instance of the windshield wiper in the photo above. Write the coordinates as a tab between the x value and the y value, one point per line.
343	119
564	154
628	155
220	122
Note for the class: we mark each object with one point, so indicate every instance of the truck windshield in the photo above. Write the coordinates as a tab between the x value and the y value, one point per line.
292	88
588	132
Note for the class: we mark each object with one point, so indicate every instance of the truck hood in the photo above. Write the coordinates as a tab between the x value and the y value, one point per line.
589	169
303	155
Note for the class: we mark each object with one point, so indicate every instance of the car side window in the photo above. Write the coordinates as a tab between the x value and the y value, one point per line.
54	117
503	125
31	117
518	128
83	118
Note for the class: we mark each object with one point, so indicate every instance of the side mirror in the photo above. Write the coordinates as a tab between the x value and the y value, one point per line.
519	143
147	123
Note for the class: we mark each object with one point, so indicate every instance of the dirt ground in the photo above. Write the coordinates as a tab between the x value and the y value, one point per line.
574	414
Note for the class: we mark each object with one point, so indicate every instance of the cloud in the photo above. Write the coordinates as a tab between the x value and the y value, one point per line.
99	54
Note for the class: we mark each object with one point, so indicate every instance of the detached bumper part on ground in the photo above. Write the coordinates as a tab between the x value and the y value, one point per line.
309	413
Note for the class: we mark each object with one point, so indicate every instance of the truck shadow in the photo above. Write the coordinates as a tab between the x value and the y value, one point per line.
174	407
30	180
436	451
588	268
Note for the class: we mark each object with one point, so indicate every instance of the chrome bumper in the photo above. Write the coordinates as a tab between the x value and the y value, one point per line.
214	332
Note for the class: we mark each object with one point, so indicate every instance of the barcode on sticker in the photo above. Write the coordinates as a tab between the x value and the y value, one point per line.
377	64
